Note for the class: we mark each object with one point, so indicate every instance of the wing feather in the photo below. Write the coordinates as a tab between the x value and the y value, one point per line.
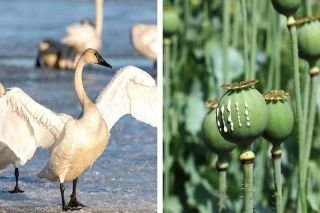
26	125
132	91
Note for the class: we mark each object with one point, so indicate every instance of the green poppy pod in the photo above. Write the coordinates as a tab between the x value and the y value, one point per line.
171	21
242	113
286	7
212	137
308	41
281	119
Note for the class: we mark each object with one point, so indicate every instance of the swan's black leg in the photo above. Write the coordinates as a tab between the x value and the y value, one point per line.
74	201
64	207
38	59
16	188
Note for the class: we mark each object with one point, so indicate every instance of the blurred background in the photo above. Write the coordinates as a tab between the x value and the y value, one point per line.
196	42
24	24
124	178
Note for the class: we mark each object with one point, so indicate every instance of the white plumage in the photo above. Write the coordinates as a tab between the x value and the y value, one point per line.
82	36
24	126
131	91
144	40
76	143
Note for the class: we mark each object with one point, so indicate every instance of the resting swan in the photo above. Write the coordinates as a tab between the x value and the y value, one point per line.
18	120
130	91
54	55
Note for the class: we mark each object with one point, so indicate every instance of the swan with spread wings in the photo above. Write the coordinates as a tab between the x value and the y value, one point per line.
21	129
76	143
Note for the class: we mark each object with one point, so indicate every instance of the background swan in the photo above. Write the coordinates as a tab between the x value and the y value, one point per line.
20	132
53	54
84	35
144	40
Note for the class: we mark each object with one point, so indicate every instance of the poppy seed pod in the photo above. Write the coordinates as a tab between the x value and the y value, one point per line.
212	137
242	113
308	41
171	21
280	117
286	7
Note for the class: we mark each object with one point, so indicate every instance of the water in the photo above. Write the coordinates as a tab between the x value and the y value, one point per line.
24	23
124	178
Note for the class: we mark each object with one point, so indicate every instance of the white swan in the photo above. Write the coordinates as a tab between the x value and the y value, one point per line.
144	40
20	132
84	35
79	142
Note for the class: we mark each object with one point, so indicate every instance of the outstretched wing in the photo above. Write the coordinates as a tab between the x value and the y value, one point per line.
26	125
132	91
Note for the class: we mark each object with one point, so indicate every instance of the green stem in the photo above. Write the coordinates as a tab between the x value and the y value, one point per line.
261	165
245	39
186	13
306	97
166	135
271	37
253	40
236	25
276	156
310	126
225	40
247	158
299	121
222	167
213	88
248	187
222	190
308	8
278	42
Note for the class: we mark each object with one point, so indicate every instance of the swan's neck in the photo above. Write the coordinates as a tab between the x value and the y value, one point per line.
99	17
82	96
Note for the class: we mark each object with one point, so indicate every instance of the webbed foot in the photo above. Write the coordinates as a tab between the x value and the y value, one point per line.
16	190
74	203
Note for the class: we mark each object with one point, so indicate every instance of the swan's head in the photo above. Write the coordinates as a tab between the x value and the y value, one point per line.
2	90
91	56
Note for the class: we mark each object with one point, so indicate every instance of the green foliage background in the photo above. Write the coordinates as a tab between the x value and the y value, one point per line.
193	73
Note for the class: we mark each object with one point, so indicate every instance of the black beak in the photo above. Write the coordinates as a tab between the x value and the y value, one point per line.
102	62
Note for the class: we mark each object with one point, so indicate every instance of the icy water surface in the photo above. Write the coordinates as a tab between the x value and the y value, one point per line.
124	178
23	23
